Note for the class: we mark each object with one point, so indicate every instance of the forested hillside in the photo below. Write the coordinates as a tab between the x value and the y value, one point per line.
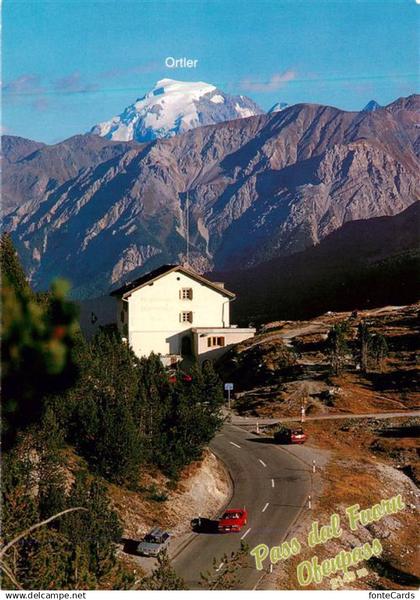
76	417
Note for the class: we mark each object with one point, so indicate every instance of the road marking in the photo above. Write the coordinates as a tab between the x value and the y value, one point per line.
265	507
233	444
220	566
262	462
272	483
246	533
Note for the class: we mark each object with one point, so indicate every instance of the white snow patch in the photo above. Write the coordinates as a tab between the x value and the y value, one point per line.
244	112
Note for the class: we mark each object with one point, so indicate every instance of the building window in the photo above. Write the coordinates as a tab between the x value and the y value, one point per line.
186	317
215	341
186	294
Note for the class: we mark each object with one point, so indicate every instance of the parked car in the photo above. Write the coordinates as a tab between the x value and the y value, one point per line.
204	525
154	542
232	520
174	375
290	436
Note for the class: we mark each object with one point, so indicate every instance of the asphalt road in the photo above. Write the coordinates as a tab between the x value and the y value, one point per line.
271	483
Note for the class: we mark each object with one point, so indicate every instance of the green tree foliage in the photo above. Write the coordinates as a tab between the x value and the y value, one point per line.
11	268
363	337
37	345
337	346
378	350
227	577
373	348
100	411
118	412
124	413
92	533
76	551
179	418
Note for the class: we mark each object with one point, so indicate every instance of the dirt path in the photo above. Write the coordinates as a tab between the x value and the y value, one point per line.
252	421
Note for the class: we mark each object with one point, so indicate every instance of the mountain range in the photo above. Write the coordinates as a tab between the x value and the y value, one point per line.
173	107
101	212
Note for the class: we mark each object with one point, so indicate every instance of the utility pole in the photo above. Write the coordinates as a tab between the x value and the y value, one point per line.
187	224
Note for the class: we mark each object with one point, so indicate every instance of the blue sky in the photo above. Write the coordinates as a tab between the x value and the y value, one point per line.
69	64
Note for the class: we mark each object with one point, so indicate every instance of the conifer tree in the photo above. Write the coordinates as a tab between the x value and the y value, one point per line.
37	346
11	268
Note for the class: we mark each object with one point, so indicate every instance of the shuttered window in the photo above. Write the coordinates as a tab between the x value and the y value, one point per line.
186	294
186	317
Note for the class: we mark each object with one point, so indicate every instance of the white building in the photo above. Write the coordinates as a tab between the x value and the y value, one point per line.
177	313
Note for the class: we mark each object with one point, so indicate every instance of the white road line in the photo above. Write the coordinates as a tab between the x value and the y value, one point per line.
233	444
272	483
261	461
265	507
246	533
220	566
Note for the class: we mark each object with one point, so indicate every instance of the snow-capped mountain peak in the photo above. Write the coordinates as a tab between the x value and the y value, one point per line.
173	107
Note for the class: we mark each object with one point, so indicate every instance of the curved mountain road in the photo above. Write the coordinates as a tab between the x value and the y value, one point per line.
271	483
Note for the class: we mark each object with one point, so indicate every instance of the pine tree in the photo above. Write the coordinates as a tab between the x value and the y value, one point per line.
92	533
337	346
226	578
101	412
378	350
37	346
373	348
11	268
364	337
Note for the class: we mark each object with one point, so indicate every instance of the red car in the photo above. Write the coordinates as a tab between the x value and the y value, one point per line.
183	376
232	520
298	436
290	436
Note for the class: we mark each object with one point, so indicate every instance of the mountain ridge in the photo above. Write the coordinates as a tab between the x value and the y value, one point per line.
363	264
258	187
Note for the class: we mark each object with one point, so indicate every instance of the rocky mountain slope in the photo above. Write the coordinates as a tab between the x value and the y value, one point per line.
101	212
363	264
173	107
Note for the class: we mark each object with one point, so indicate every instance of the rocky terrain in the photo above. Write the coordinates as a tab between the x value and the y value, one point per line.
204	489
290	364
260	187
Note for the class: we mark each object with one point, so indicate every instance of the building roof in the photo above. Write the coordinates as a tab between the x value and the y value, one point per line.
149	278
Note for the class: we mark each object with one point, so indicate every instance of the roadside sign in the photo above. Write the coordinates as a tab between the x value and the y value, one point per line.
228	389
